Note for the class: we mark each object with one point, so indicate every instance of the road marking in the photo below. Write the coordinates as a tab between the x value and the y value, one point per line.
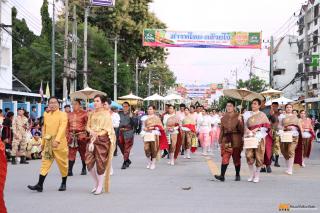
212	166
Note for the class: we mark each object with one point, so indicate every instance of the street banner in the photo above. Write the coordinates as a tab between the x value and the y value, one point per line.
167	38
106	3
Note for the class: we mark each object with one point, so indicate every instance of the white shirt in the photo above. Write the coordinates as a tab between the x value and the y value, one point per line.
115	120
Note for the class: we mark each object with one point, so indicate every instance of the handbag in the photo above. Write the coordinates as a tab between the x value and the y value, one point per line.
286	137
250	143
149	137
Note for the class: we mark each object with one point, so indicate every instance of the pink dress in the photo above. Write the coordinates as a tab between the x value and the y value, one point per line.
215	130
204	128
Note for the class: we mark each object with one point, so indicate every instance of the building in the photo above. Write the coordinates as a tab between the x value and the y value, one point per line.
285	67
308	45
5	48
13	92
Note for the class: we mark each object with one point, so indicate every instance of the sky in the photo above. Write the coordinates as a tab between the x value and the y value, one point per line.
193	65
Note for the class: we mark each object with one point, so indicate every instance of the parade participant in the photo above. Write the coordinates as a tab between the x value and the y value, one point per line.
181	112
54	145
215	129
171	124
274	119
19	129
153	136
166	111
308	136
126	134
181	115
203	128
193	113
77	136
115	122
291	126
3	174
188	132
276	139
230	140
256	127
102	144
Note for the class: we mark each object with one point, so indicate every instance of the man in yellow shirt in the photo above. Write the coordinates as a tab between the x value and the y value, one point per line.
54	144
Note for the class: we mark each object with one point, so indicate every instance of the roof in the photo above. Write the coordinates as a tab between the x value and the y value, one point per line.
276	48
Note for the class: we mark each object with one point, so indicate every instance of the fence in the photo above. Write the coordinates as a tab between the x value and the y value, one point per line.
14	105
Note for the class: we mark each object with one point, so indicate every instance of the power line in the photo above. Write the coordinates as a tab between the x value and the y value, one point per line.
30	48
27	16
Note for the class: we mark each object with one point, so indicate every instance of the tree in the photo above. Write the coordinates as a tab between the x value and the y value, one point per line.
160	74
254	84
32	59
46	21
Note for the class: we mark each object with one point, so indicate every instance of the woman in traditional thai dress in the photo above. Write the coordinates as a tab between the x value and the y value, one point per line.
102	144
215	130
308	135
153	136
256	127
204	128
188	132
290	143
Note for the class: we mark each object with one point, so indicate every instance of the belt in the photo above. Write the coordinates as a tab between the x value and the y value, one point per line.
77	132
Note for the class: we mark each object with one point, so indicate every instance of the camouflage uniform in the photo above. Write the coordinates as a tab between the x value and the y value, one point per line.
19	127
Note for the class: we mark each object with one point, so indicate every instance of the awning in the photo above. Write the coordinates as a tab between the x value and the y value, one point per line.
310	100
12	92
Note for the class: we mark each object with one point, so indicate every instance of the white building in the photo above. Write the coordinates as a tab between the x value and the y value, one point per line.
285	67
308	44
6	48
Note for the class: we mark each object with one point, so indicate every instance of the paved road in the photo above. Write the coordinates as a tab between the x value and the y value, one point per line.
139	190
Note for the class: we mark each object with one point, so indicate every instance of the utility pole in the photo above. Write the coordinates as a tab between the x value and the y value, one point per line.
306	77
73	65
65	56
149	84
251	66
235	72
115	70
137	76
85	44
251	71
53	51
115	67
271	62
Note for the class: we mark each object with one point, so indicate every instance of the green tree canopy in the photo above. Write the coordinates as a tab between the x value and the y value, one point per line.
254	84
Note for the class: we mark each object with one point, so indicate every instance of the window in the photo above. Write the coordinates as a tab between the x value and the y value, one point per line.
316	11
314	76
279	72
314	86
300	68
315	48
314	69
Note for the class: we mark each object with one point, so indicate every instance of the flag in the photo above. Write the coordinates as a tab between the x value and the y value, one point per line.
41	92
107	3
47	90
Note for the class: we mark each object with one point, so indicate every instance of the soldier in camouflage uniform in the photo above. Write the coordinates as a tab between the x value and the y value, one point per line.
19	127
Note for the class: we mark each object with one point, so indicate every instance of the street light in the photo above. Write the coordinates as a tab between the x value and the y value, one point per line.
141	65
